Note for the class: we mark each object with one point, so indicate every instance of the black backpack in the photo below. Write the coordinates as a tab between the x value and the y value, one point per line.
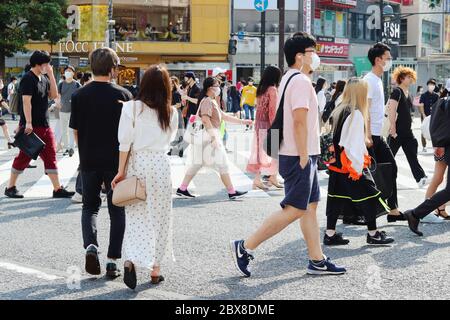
272	144
440	123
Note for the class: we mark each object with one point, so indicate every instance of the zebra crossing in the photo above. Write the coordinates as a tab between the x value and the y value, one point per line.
67	168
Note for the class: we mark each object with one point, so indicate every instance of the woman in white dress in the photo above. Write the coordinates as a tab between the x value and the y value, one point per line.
148	233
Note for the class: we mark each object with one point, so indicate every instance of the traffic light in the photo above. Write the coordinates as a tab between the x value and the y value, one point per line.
232	47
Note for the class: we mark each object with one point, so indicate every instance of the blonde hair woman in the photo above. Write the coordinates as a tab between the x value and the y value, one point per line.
351	189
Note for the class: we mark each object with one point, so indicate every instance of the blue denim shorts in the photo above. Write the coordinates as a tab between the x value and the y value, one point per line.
301	186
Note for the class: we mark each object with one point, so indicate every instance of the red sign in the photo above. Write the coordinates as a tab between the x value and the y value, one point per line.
332	49
408	2
349	4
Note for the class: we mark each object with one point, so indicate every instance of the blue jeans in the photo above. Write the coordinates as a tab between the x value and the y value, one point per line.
249	112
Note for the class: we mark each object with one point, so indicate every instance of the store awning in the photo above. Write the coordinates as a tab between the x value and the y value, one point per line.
336	62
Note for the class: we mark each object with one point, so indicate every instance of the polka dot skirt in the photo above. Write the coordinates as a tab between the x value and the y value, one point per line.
148	234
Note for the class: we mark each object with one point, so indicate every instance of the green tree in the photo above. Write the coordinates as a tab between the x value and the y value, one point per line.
23	20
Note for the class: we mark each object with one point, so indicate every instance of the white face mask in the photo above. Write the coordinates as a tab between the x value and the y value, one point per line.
68	75
387	66
315	64
216	91
431	88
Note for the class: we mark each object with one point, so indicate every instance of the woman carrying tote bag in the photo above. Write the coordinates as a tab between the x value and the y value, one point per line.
148	232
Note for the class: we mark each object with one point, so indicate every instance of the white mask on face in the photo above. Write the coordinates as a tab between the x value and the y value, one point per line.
68	75
315	64
216	91
431	88
387	66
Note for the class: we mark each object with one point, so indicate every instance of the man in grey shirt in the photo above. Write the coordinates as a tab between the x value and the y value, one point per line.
65	91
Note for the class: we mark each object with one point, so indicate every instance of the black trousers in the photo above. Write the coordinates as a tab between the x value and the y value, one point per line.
92	185
438	199
409	145
381	152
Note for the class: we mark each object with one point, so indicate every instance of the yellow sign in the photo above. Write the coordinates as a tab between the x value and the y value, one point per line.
93	22
447	34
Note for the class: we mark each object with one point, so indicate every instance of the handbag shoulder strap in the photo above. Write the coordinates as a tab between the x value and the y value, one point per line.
131	146
280	111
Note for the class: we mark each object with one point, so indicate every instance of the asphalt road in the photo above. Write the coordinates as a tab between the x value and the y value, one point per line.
41	253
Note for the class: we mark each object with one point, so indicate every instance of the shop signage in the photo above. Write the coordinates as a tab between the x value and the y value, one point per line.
392	30
86	47
331	47
339	3
307	15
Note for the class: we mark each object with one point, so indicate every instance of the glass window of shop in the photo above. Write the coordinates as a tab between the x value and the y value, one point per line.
359	30
431	33
156	20
330	24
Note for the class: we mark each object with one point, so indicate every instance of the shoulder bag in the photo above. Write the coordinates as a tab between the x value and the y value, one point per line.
132	189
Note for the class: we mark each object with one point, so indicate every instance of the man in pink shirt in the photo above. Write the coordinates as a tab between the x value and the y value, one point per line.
298	157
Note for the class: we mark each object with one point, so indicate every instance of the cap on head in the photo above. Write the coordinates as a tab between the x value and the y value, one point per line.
189	74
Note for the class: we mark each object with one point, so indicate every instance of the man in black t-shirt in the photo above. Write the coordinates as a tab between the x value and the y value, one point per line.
426	102
96	110
400	134
36	87
191	96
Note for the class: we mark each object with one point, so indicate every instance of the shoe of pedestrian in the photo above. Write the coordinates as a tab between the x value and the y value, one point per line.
326	266
92	265
355	221
432	219
424	150
394	218
77	198
336	240
129	275
62	193
71	152
237	195
11	145
413	222
157	279
180	153
66	152
184	194
423	182
32	166
112	271
442	214
380	238
13	193
241	257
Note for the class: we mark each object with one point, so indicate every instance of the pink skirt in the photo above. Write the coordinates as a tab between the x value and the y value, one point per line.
259	161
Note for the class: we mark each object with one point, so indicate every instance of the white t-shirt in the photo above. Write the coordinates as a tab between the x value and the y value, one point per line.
299	94
376	109
10	90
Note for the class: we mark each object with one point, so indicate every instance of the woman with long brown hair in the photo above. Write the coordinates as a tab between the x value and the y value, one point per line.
148	123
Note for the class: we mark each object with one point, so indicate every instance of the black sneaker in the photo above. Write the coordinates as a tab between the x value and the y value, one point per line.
112	272
92	265
63	193
237	195
336	240
71	152
380	238
13	193
241	257
184	194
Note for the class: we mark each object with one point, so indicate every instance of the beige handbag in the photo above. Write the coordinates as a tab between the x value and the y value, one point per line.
132	189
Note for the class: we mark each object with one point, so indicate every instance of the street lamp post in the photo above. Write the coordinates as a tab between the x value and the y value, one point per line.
263	42
282	26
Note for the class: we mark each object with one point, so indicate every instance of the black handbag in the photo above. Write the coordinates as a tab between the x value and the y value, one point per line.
440	123
382	176
30	144
275	132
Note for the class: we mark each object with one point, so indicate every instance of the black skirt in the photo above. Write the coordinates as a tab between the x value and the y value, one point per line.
354	198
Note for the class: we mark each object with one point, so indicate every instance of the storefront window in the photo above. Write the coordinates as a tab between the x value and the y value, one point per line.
331	24
431	33
155	20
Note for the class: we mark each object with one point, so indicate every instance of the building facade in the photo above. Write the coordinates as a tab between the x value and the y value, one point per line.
183	34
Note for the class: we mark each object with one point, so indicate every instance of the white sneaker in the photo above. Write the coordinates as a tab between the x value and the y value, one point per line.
432	218
424	150
423	182
77	198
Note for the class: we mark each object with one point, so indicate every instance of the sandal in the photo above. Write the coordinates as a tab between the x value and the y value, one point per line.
129	276
276	184
439	214
157	279
260	186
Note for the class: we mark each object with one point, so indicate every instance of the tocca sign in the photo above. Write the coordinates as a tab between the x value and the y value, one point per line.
86	47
